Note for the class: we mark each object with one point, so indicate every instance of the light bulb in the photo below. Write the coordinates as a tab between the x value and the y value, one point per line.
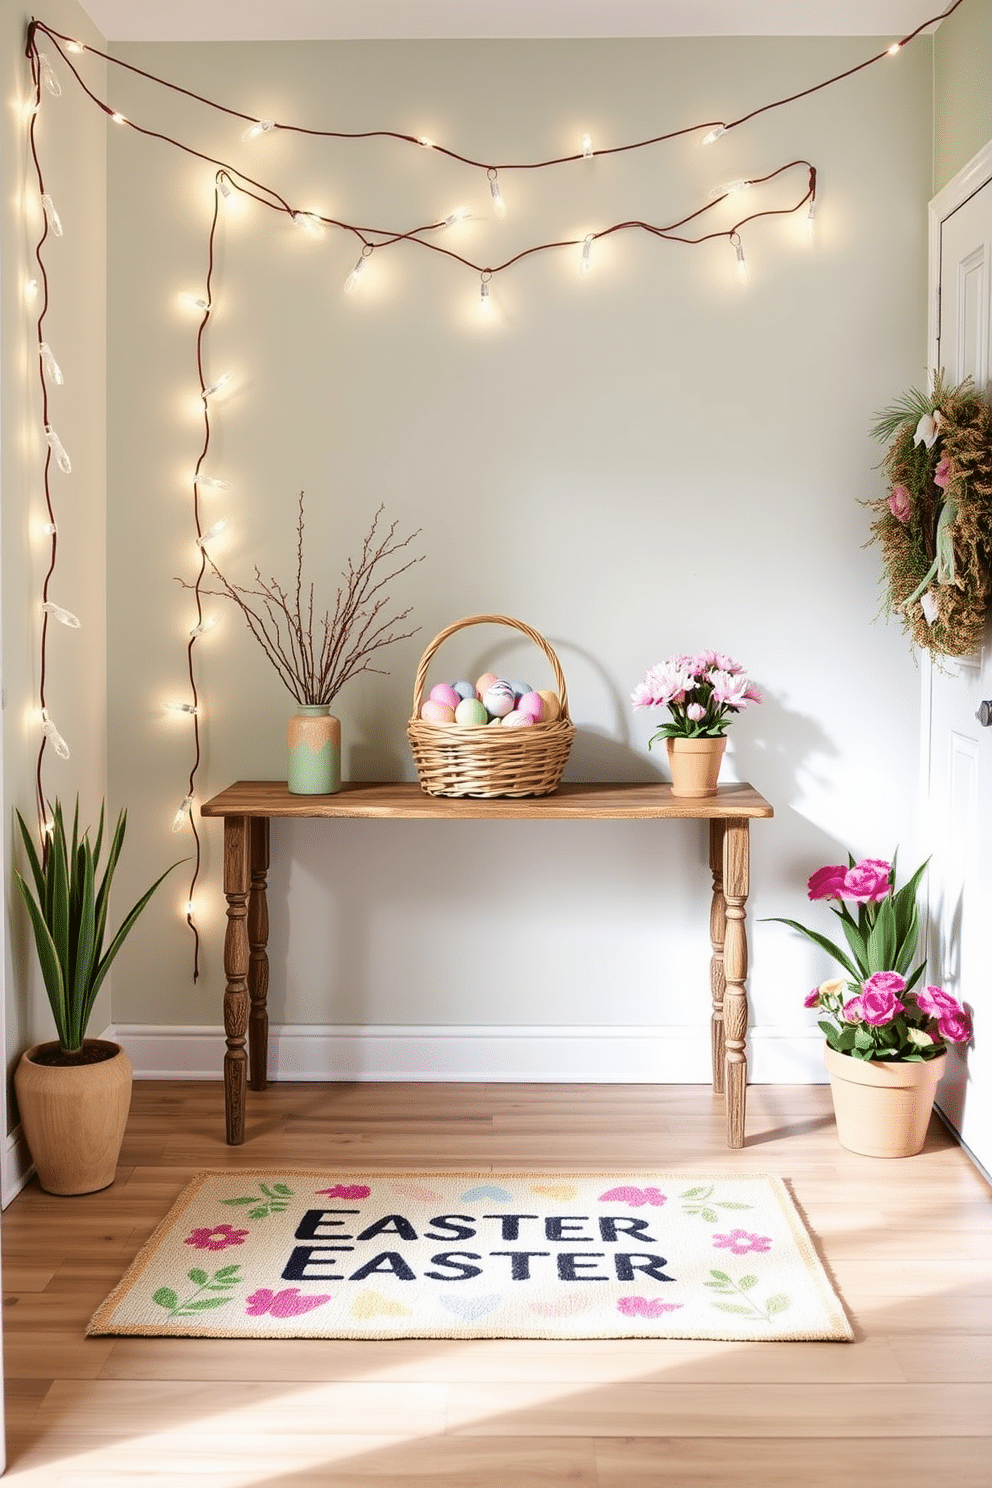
180	708
74	46
585	262
811	216
50	529
204	626
309	221
895	47
359	268
729	188
260	126
58	450
714	134
211	532
485	299
48	77
118	118
53	736
65	617
188	909
499	205
587	150
31	290
224	185
195	302
426	141
51	366
742	272
54	220
215	386
182	815
460	214
212	483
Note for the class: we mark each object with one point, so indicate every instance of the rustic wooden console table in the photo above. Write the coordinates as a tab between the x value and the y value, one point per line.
249	806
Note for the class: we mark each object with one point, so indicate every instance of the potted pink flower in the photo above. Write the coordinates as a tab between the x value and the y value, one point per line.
886	1037
703	694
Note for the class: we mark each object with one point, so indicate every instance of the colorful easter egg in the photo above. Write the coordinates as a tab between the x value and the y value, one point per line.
498	699
443	692
516	719
494	720
552	707
485	681
465	689
532	703
472	712
519	688
435	712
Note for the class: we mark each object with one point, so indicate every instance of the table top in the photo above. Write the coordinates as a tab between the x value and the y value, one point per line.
405	800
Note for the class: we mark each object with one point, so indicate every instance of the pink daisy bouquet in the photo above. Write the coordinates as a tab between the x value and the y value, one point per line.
703	694
877	1010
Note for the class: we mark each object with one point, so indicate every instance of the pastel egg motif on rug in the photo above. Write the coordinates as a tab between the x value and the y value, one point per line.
443	692
499	699
435	712
472	713
532	703
517	719
552	707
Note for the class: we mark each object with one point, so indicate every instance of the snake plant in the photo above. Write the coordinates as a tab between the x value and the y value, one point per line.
68	911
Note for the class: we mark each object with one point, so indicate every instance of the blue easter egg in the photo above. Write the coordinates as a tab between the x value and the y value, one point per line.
464	689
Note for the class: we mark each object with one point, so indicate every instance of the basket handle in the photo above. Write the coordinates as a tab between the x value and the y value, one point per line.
533	635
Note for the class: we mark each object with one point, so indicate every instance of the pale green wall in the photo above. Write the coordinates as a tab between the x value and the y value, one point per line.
646	462
72	143
963	88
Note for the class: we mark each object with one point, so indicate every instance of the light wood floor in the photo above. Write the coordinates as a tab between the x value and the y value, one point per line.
908	1405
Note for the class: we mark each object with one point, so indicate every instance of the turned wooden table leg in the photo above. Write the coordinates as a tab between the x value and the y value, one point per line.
236	884
735	886
718	931
258	961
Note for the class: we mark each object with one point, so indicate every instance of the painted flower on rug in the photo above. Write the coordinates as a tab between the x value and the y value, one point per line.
645	1307
345	1191
285	1304
219	1238
739	1242
626	1194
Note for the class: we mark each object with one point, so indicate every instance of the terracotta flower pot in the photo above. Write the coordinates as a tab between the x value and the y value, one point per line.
882	1106
695	765
73	1116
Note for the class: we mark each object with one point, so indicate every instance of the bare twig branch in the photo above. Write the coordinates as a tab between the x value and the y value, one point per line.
358	627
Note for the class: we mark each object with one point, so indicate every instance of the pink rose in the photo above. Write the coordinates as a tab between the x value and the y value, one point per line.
942	475
868	881
884	981
812	998
935	1002
899	503
826	883
879	1008
853	1012
955	1027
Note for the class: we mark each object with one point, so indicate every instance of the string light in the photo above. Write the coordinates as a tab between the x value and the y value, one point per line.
195	302
585	262
485	299
182	815
50	529
53	736
359	269
48	77
811	217
499	205
204	626
587	149
729	188
225	184
64	617
118	118
460	214
425	141
31	291
895	47
211	533
51	366
260	126
742	269
216	386
178	708
54	220
58	450
308	221
713	134
212	483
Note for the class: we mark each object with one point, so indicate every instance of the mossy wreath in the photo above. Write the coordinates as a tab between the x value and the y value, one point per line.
935	524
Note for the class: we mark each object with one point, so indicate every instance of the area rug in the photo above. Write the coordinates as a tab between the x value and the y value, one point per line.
478	1255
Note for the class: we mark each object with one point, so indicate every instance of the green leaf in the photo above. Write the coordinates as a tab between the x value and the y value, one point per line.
250	1199
732	1204
824	944
166	1297
710	1216
732	1307
258	1213
227	1271
721	1276
281	1188
697	1193
205	1303
200	1277
747	1282
856	941
778	1303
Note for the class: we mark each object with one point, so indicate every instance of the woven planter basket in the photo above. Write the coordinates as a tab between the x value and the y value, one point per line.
456	760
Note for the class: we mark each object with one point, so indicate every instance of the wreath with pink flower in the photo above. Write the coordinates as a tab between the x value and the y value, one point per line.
935	524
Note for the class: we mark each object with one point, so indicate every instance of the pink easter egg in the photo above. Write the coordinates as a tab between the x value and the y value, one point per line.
435	712
532	703
443	692
485	682
518	719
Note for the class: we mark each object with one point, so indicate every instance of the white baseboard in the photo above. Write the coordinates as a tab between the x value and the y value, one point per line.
650	1055
17	1166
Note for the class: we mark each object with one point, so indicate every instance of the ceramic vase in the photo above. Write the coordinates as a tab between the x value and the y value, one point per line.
695	765
73	1116
882	1106
314	740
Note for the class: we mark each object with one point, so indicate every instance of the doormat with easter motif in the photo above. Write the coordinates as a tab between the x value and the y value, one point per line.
478	1255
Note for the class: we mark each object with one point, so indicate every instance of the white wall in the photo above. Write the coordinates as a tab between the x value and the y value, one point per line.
644	462
72	145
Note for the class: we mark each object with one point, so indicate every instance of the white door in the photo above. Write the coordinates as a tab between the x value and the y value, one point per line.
957	743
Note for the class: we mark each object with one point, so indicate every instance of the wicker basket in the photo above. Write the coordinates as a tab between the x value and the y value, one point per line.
457	760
